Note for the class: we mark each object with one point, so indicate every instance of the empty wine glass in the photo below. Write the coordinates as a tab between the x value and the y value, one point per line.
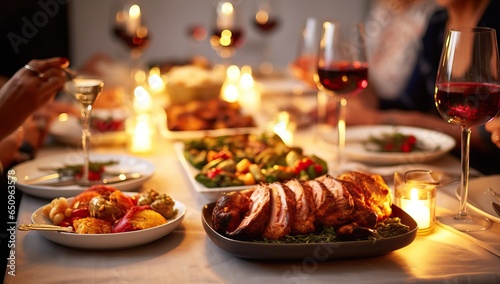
267	20
85	90
303	67
342	70
467	93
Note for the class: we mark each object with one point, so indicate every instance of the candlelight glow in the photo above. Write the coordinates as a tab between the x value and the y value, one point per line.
246	79
63	117
230	93
142	137
142	100
284	128
155	82
417	209
134	11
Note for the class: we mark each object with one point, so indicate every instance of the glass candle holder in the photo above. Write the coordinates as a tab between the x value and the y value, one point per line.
415	193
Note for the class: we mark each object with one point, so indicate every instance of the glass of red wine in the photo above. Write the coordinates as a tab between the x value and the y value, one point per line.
129	28
467	94
227	32
266	20
342	71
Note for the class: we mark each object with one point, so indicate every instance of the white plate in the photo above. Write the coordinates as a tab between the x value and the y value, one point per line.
479	198
31	169
109	241
70	132
211	193
357	135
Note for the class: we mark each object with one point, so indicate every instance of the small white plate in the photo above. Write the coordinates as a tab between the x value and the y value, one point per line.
210	193
69	132
357	135
479	198
31	169
111	241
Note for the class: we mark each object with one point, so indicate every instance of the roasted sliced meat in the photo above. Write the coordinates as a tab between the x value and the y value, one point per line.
282	212
353	231
352	204
363	215
229	210
377	193
256	218
323	200
344	204
304	207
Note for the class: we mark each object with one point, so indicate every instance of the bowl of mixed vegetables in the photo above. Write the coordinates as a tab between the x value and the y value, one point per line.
248	159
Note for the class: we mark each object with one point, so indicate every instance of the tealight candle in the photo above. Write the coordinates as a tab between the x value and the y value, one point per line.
415	193
142	134
249	96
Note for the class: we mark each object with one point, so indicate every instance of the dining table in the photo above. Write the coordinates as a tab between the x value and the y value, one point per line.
188	255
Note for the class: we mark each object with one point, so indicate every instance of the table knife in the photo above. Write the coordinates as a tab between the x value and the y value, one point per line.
59	181
496	207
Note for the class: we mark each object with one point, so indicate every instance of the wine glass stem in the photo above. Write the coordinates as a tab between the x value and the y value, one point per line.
342	106
85	141
464	186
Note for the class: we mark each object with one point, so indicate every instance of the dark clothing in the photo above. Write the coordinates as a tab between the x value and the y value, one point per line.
31	29
419	93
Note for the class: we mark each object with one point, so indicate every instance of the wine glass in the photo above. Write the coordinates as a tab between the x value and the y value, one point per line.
129	27
342	70
266	20
467	93
303	67
85	90
227	33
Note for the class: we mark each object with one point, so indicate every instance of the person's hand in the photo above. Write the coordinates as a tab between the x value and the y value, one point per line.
9	148
28	90
494	127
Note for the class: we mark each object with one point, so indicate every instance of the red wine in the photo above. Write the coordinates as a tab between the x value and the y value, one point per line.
267	26
132	40
344	78
468	103
235	40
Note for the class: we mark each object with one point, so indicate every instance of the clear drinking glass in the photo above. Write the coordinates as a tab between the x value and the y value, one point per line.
227	30
85	90
267	19
342	70
467	93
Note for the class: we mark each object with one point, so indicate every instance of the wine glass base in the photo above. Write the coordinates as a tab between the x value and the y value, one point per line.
468	223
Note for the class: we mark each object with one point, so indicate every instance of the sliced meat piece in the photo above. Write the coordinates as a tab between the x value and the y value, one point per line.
304	207
257	217
377	193
229	211
353	231
323	199
282	212
363	215
344	204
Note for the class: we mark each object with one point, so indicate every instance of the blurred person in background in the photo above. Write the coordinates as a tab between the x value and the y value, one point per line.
414	106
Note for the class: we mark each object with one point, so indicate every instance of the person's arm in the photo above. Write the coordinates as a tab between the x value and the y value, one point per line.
26	92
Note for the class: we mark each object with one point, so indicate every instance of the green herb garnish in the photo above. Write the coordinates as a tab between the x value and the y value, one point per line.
390	227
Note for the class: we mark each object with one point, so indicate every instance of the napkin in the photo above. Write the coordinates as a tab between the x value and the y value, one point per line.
488	239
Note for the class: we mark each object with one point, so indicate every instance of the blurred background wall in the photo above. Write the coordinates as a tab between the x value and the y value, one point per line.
169	22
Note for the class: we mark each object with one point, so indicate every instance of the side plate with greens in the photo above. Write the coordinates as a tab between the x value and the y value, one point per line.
432	144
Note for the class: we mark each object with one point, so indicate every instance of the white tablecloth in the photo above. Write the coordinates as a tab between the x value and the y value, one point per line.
188	255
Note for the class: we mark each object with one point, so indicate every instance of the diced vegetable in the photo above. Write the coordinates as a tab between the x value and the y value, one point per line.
249	159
